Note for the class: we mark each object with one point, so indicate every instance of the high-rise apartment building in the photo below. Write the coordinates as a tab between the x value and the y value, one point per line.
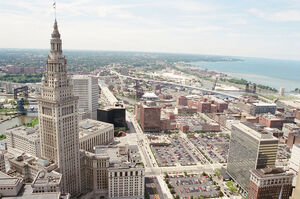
250	148
58	117
86	88
270	183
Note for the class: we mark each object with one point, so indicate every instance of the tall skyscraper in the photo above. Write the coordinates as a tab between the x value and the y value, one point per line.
58	118
86	88
250	148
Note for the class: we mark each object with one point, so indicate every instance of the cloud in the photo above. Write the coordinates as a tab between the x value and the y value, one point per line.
278	16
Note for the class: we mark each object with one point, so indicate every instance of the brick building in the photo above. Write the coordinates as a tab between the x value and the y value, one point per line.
270	183
271	121
293	138
204	107
150	118
181	101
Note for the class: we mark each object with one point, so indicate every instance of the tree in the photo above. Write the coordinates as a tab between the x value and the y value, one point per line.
172	191
111	87
147	196
220	194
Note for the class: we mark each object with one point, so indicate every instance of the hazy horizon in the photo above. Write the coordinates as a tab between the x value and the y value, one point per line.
268	29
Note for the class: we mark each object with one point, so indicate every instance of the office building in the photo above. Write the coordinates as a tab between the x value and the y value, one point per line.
24	139
113	172
250	148
270	183
150	118
260	108
115	115
58	118
93	133
86	88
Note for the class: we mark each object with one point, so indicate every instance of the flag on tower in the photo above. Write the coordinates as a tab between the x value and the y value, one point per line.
54	5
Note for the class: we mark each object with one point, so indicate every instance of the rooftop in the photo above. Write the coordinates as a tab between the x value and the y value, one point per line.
48	178
149	95
24	131
89	126
264	104
6	180
270	172
254	131
119	156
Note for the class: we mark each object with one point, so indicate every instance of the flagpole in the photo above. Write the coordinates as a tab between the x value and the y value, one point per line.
54	6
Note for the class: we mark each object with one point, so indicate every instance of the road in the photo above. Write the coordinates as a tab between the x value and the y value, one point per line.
151	167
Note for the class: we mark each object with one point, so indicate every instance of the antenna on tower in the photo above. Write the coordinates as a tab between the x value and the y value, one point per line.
54	6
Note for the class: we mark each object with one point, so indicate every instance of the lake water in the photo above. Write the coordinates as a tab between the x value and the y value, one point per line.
270	72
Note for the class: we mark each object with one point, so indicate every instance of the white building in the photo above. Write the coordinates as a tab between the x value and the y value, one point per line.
93	133
10	186
289	128
24	139
295	158
113	172
86	88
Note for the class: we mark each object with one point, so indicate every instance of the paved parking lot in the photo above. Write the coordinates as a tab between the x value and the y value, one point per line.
193	185
153	188
213	146
178	152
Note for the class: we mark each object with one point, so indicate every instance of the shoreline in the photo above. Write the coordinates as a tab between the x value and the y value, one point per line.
273	82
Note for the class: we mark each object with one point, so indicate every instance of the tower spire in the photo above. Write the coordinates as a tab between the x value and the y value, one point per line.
55	33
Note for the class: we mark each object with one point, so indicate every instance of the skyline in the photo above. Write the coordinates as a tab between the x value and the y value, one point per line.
245	29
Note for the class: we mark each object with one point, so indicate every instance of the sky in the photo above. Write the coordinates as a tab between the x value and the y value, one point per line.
254	28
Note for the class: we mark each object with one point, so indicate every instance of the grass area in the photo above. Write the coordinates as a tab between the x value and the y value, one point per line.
33	122
277	96
231	186
5	110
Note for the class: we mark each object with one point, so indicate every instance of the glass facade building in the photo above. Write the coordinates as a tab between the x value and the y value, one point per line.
249	149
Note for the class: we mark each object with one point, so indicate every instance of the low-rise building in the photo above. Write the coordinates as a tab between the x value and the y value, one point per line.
289	128
46	182
93	133
28	166
260	108
271	121
24	139
10	186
